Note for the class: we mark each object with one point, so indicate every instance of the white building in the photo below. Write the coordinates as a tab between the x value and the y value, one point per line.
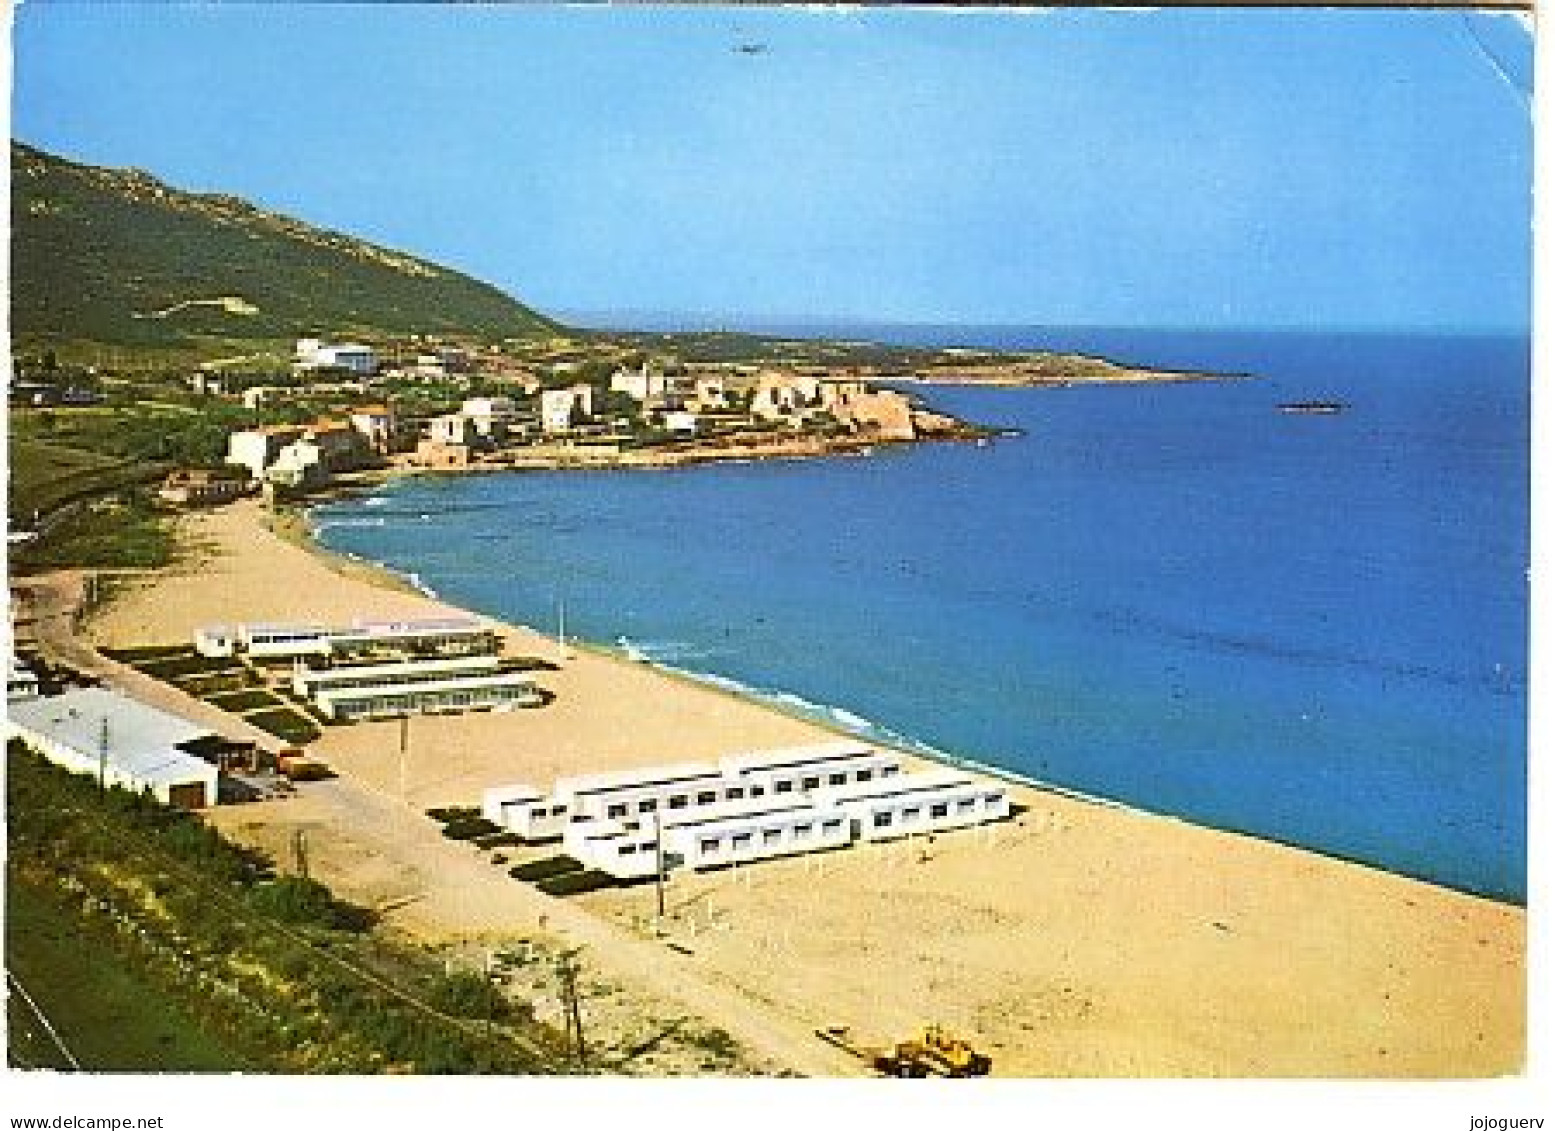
717	839
307	681
270	640
393	697
99	732
682	423
453	428
931	801
427	634
352	356
641	384
491	417
257	448
21	682
562	409
375	423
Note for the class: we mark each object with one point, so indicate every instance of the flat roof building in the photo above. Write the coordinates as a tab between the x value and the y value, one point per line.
95	731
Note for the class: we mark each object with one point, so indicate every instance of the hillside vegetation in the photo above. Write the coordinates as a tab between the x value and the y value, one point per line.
115	256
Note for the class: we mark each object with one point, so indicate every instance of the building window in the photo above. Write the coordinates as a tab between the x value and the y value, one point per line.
911	814
991	799
831	826
966	806
679	801
757	791
940	810
882	820
889	771
616	811
812	783
771	836
783	787
838	779
735	794
802	832
707	797
537	814
865	775
709	845
558	810
647	806
739	841
627	849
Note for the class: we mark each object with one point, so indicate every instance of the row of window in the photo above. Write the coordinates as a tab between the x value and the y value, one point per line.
739	793
937	811
414	701
741	842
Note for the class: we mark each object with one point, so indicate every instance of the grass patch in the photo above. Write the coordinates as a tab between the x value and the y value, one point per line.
240	701
112	1019
175	667
286	725
469	828
148	652
576	883
104	533
546	869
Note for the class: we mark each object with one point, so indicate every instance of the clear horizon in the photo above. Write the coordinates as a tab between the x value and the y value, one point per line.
1188	169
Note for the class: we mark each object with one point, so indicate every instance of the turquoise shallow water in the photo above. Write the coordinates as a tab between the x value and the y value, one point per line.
1308	628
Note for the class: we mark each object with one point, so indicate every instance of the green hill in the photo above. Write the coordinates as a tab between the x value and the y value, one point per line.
114	256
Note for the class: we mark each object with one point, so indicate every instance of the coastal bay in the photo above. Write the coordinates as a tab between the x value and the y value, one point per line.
1082	939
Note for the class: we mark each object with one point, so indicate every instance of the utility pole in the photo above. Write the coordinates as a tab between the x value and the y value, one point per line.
300	852
567	973
658	861
404	753
102	757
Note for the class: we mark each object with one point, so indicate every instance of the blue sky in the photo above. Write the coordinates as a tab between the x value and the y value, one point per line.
1178	169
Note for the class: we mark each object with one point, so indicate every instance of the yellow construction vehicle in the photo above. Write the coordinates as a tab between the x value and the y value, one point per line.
933	1051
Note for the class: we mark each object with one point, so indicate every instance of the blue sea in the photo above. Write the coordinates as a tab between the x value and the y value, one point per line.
1309	628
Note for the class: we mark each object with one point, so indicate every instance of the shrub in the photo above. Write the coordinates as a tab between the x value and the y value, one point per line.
295	899
465	993
545	869
469	828
576	883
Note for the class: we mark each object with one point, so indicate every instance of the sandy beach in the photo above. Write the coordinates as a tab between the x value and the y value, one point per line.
1078	939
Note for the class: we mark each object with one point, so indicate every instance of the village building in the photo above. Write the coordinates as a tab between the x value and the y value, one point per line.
197	487
562	410
682	423
451	429
375	424
257	448
491	417
313	353
641	384
782	396
121	741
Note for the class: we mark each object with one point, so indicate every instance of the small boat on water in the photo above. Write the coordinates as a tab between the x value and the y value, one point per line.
1313	408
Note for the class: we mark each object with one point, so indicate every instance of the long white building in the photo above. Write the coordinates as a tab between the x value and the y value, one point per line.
749	807
467	634
130	744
